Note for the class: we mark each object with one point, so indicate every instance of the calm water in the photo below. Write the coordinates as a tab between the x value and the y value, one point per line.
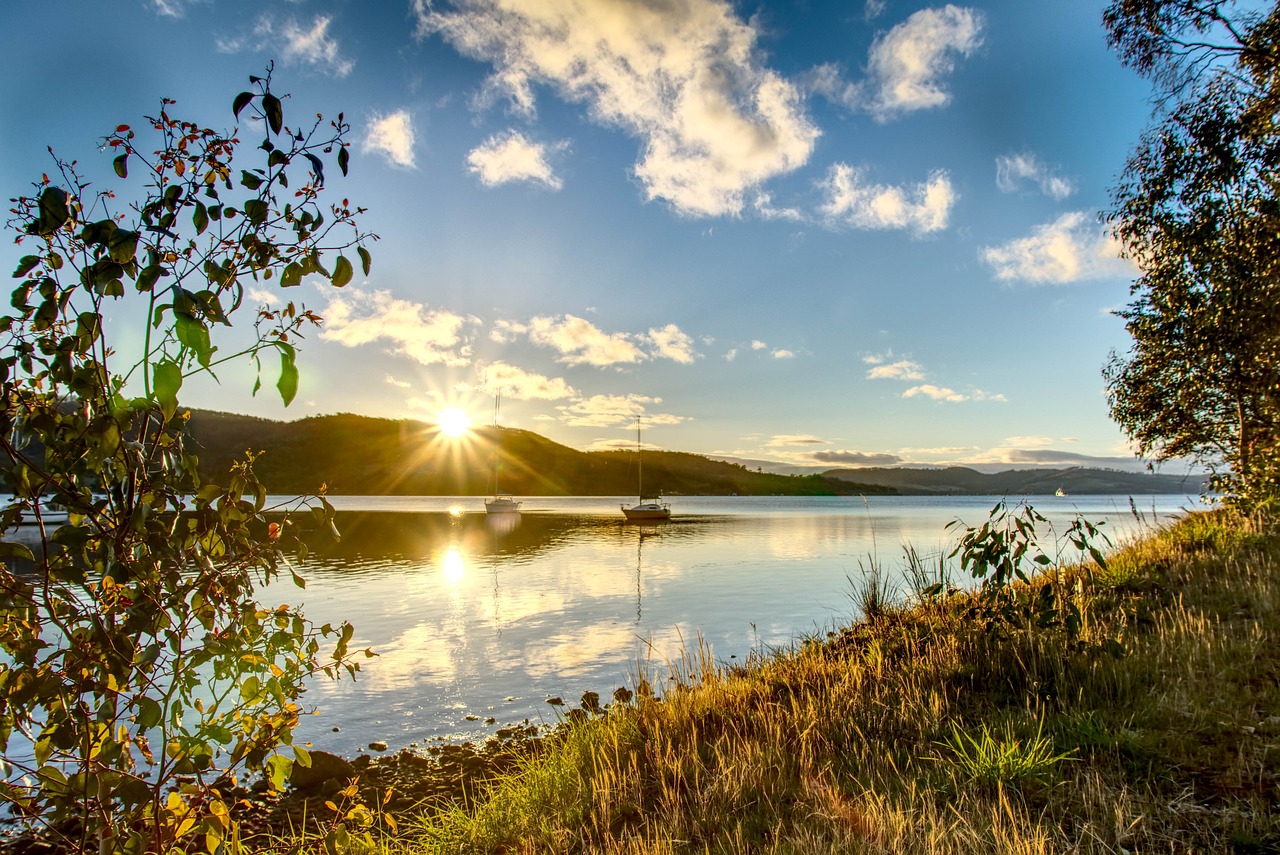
485	616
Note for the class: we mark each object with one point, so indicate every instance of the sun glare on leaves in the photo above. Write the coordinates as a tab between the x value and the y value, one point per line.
453	422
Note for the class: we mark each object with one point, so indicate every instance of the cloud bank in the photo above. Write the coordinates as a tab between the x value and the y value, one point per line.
683	77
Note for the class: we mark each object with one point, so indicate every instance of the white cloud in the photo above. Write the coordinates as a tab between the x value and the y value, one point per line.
907	64
515	382
757	344
505	332
298	44
581	342
937	393
392	136
1013	169
783	353
607	410
169	8
312	45
673	344
850	201
683	77
504	158
786	440
1069	249
356	318
903	369
873	9
391	380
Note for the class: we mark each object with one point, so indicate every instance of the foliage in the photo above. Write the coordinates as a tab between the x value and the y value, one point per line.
1001	758
1198	210
139	671
1008	549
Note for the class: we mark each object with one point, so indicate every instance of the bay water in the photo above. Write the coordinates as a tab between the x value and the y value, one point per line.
478	619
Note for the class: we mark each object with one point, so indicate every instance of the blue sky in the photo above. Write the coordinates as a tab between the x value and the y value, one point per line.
810	232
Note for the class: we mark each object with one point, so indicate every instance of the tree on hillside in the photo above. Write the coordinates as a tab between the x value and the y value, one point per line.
1198	210
139	670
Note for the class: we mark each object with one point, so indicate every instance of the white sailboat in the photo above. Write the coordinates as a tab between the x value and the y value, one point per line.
499	503
649	508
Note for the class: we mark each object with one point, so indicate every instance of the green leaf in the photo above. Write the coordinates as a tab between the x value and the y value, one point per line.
167	377
149	713
123	246
53	211
343	157
121	165
242	100
248	179
366	260
256	210
200	218
10	551
273	111
291	276
25	265
148	277
341	272
288	382
192	333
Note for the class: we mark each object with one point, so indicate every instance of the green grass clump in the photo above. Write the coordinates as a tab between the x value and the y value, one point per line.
1152	725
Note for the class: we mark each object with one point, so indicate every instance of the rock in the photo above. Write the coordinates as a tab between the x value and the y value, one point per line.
324	767
378	746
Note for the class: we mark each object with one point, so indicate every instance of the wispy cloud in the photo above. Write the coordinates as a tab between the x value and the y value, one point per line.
786	440
851	201
908	64
783	353
429	336
312	45
671	343
685	78
1013	170
1070	249
614	410
943	393
510	157
903	369
306	44
392	136
515	382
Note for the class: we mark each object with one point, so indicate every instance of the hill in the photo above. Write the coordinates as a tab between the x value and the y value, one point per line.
961	481
360	455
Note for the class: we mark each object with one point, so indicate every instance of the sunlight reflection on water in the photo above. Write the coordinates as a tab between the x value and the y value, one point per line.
487	615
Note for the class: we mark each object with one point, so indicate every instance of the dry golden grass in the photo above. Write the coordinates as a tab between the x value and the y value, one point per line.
1155	729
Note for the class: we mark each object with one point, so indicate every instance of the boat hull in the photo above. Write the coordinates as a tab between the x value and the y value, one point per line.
502	505
646	512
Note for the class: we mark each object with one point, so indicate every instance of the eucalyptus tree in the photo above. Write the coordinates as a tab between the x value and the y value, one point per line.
1198	211
140	673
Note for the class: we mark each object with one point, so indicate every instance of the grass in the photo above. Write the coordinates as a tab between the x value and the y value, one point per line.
1153	729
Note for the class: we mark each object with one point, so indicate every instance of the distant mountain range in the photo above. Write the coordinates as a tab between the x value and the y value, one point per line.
361	455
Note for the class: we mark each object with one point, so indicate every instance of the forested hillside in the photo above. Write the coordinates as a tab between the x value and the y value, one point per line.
359	455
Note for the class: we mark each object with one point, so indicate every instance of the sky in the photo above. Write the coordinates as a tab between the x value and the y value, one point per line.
810	232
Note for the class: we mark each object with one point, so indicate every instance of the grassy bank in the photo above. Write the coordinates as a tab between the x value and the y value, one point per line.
1151	726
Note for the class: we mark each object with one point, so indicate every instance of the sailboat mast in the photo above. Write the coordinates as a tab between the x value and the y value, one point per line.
639	462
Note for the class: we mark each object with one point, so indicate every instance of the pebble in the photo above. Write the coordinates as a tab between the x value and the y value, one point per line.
378	746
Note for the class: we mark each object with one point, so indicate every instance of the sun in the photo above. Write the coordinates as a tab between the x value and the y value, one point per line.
453	422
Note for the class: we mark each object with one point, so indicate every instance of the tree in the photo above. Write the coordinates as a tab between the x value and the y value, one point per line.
140	672
1198	210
